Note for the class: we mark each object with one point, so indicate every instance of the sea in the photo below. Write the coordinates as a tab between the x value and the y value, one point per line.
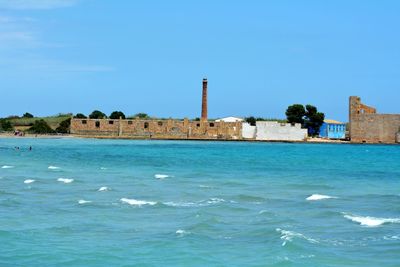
88	202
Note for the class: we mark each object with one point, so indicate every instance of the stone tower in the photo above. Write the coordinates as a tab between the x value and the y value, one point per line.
204	101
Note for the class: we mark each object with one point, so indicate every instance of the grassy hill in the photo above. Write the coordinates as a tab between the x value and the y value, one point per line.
23	124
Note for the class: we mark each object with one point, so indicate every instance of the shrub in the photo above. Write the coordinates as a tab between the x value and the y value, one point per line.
64	126
80	116
5	125
27	115
115	115
40	127
97	114
142	116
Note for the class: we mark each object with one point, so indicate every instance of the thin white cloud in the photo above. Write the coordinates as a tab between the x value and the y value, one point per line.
36	4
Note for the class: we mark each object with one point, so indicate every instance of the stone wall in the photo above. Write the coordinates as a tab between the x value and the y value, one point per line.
157	129
366	126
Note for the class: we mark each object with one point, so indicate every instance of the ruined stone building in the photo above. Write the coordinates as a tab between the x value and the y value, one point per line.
367	126
160	129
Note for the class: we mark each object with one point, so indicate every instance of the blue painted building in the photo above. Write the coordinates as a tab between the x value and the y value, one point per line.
333	129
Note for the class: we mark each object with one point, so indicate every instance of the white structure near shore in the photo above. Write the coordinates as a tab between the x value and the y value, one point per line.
229	119
274	131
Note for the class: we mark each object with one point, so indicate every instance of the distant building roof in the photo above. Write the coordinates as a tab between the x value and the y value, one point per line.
332	122
229	119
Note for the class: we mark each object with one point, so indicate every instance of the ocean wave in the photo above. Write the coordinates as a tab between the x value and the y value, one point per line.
135	202
250	198
53	168
182	233
65	180
161	176
288	236
315	197
7	167
181	204
103	168
103	188
82	201
201	203
393	237
370	221
29	181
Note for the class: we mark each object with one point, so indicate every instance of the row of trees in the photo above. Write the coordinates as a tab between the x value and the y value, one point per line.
115	115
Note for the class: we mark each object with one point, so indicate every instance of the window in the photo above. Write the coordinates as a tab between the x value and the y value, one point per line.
110	122
146	125
198	124
129	122
84	121
211	124
97	124
160	123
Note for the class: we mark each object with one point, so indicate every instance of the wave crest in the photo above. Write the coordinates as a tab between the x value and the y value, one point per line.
135	202
288	236
315	197
370	221
65	180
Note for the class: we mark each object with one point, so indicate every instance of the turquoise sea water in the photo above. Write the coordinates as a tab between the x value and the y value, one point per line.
170	203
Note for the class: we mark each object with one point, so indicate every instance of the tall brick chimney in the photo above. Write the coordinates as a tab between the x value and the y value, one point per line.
204	101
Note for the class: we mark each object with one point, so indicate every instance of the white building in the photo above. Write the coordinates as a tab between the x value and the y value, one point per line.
229	119
274	131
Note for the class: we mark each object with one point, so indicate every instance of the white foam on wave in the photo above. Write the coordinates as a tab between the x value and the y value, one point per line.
288	236
103	168
181	204
393	237
181	232
65	180
7	167
135	202
161	176
202	203
53	168
370	221
82	201
315	197
103	188
215	200
29	181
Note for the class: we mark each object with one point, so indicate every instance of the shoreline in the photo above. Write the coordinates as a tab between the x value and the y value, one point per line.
70	136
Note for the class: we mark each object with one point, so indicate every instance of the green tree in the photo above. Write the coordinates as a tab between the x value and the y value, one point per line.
27	115
40	127
80	116
5	125
142	116
313	120
64	126
251	120
115	115
96	114
295	113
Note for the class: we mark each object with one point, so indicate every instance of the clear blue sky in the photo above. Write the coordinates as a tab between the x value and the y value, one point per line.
150	56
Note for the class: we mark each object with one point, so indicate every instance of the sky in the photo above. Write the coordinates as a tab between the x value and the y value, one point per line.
59	56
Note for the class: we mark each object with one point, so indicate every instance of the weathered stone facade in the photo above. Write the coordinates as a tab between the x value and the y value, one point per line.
157	129
366	126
